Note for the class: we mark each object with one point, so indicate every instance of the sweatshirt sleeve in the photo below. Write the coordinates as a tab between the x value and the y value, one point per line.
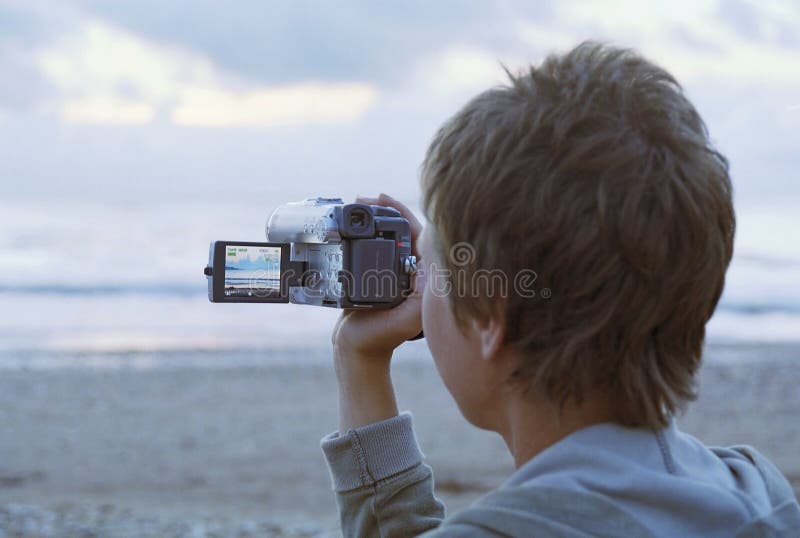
382	486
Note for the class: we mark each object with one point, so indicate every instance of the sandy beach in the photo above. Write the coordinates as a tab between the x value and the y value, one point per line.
233	449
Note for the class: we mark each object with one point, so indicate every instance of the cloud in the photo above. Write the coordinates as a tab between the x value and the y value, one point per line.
769	21
277	42
460	69
309	103
106	75
194	63
21	32
106	110
320	95
281	43
688	37
23	86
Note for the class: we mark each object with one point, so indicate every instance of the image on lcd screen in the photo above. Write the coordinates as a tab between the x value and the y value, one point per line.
252	271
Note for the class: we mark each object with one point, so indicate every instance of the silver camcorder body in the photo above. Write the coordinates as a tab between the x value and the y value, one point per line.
321	252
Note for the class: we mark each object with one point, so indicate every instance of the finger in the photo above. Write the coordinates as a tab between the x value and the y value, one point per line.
413	222
387	201
416	225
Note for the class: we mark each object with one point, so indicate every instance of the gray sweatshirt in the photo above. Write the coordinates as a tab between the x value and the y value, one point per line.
604	480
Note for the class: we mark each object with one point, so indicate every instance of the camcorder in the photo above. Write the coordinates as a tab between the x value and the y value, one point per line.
320	251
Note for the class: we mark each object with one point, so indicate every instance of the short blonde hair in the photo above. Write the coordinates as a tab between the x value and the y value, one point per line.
595	171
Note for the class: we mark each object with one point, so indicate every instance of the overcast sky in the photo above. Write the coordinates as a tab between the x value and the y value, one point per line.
196	99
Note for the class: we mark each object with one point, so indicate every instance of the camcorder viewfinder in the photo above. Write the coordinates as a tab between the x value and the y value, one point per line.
321	252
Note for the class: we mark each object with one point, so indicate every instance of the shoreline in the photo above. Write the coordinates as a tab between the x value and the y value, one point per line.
318	353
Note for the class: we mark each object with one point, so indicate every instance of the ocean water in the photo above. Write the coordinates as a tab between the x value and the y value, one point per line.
87	279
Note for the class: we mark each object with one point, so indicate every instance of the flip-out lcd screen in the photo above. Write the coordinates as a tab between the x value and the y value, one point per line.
252	271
